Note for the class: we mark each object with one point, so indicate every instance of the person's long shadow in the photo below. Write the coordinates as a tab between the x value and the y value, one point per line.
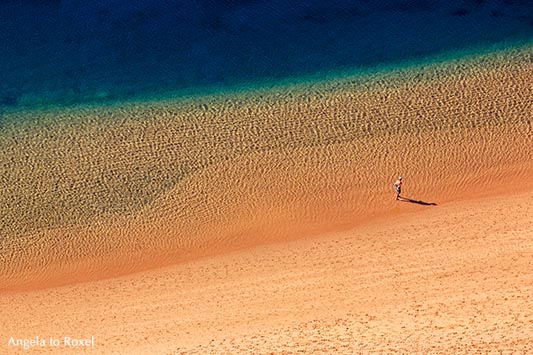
405	199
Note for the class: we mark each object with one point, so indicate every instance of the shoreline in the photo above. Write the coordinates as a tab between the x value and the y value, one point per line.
202	180
302	85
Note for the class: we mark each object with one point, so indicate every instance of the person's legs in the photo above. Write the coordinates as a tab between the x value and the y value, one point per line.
398	192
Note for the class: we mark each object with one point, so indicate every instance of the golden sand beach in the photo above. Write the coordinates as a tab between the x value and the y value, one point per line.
266	223
451	280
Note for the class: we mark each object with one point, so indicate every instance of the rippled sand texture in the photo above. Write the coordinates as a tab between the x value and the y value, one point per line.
93	193
449	280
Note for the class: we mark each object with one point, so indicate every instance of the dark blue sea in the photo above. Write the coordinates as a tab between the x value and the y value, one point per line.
67	52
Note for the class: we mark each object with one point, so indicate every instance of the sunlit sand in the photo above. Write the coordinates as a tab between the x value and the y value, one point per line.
267	223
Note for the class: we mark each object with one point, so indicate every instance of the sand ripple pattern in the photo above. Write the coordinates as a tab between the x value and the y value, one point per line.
153	184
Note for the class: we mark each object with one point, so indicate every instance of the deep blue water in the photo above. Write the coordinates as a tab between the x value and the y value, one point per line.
63	52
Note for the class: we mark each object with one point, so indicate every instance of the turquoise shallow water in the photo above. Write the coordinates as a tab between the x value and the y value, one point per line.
68	52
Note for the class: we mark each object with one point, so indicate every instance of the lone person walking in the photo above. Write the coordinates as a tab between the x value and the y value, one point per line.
398	186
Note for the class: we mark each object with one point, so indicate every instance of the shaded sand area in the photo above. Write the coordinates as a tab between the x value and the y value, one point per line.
456	279
99	192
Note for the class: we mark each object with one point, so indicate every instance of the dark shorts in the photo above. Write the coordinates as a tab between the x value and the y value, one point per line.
398	189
